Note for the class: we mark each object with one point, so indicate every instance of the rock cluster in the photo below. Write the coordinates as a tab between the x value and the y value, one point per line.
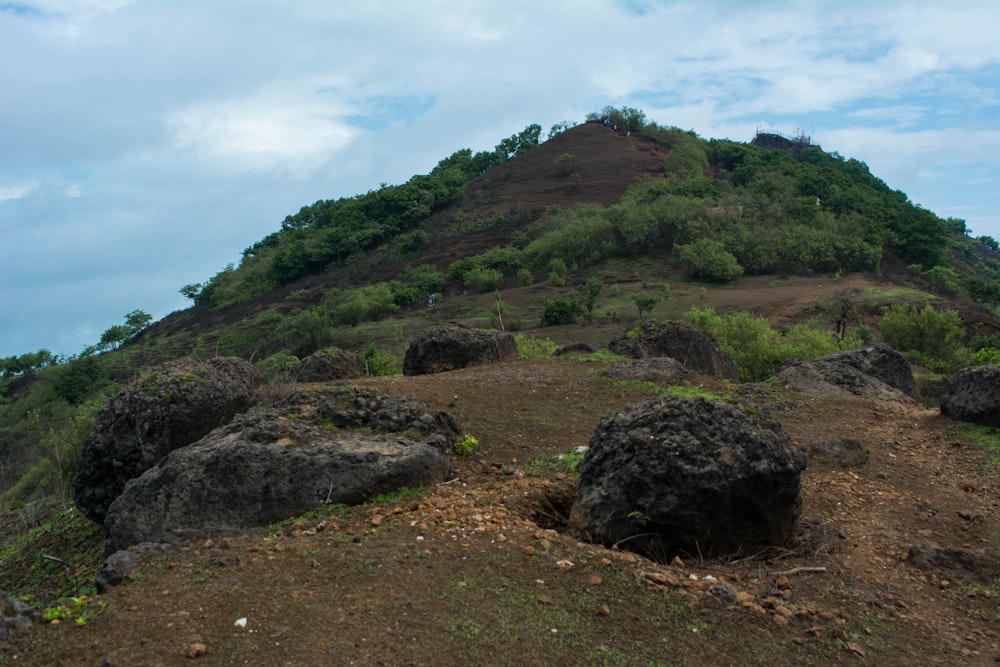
332	445
170	407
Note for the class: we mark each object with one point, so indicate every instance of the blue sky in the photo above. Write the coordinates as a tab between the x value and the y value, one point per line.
144	145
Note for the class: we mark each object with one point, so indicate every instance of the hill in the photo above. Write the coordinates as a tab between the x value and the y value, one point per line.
895	560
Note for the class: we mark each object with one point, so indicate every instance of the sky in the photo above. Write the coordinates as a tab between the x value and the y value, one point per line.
145	144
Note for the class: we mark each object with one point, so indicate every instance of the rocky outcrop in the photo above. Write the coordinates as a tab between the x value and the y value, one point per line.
449	348
656	369
329	365
974	396
693	347
688	475
877	371
171	406
333	445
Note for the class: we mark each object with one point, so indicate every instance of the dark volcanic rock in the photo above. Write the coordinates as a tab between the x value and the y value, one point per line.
656	369
329	365
691	475
693	347
877	371
974	396
449	348
276	462
171	406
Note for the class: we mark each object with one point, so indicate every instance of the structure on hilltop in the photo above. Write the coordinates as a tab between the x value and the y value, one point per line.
777	141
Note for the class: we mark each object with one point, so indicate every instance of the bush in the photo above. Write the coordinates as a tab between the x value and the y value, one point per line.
534	348
709	260
483	279
935	336
375	363
559	310
465	445
756	348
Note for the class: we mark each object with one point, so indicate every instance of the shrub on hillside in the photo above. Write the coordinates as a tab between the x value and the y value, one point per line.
559	310
929	337
709	260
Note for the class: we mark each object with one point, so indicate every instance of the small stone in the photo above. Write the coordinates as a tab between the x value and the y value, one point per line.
743	597
528	551
604	610
594	580
781	581
196	650
677	562
544	544
544	599
564	564
780	620
207	544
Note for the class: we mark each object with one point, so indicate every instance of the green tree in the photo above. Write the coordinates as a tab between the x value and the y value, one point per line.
645	304
589	291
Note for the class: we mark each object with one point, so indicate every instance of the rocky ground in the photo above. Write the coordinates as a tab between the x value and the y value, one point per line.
894	563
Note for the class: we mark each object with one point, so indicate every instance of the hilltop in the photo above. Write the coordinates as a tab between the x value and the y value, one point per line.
896	556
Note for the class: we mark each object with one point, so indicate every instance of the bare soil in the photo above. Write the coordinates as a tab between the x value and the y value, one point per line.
478	571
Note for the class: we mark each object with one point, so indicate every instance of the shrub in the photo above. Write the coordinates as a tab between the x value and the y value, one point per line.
483	279
557	272
933	335
559	310
375	363
709	260
534	348
465	445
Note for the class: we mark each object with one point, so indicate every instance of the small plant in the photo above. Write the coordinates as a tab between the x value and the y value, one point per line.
465	445
50	614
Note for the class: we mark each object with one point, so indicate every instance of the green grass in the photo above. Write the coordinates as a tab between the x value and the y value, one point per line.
986	437
551	464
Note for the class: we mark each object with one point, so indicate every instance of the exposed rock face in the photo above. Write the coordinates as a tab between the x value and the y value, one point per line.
877	371
449	348
272	463
329	365
693	347
690	475
171	406
656	369
974	396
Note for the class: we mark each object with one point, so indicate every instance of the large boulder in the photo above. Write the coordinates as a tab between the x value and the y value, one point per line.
171	406
329	365
688	475
333	445
449	348
974	396
876	371
693	347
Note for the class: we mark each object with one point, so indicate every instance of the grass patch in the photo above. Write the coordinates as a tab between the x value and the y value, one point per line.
548	465
604	356
985	437
688	390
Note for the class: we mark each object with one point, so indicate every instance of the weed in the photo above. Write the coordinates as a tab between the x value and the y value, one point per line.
534	348
465	445
986	437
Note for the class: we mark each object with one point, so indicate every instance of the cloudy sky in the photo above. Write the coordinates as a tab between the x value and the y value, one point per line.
145	144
